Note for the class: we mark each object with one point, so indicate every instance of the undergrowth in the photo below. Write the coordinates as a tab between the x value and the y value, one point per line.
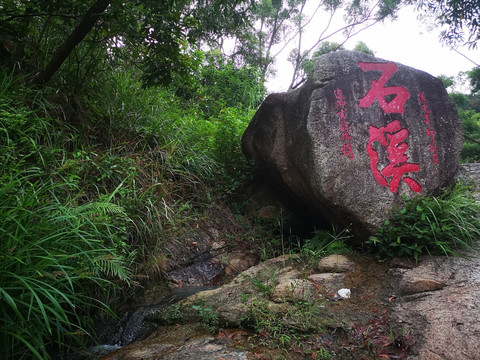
325	243
54	257
92	188
443	225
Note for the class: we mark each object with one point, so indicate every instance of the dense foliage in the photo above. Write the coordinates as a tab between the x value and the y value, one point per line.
468	106
157	36
461	19
94	185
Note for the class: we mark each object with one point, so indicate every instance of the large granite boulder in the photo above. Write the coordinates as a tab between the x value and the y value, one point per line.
361	133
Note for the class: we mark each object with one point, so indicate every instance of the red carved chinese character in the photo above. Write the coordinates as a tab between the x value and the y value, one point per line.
344	133
395	148
426	119
379	91
430	133
340	98
347	150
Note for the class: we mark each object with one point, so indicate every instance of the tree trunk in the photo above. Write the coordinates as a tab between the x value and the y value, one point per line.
66	48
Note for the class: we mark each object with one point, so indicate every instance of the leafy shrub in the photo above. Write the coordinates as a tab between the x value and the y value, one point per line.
226	85
171	314
208	317
471	128
470	152
432	225
230	124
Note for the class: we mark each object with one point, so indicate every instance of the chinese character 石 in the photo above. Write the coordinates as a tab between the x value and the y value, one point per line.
392	137
378	90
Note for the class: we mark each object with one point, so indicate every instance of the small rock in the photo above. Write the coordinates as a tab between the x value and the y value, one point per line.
282	259
293	290
217	245
335	263
328	281
269	212
325	278
414	285
239	264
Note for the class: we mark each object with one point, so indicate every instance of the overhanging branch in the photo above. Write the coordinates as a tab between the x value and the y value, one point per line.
65	48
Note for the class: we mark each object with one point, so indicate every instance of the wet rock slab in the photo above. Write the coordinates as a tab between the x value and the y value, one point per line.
179	343
233	300
442	308
291	288
192	259
329	282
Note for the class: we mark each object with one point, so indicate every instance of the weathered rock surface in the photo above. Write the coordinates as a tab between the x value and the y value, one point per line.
443	308
273	281
328	283
335	263
360	134
179	343
290	288
415	285
470	173
236	261
279	292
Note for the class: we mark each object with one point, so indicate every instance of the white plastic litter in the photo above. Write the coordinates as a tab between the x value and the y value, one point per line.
344	293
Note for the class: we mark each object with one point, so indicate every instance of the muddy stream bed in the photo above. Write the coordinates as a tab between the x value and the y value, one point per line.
397	310
358	327
288	308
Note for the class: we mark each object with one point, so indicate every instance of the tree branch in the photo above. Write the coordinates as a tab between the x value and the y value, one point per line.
65	49
299	48
465	56
296	33
68	16
471	139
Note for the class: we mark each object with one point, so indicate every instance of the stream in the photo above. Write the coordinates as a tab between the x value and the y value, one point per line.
135	324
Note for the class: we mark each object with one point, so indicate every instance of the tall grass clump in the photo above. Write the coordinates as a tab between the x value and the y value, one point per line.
63	253
56	259
431	225
192	142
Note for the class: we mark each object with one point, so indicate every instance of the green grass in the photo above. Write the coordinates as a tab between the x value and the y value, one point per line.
443	225
325	243
208	317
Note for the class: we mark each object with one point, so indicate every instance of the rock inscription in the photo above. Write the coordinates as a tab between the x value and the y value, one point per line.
359	135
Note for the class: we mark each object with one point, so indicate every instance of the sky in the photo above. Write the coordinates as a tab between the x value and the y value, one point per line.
406	40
